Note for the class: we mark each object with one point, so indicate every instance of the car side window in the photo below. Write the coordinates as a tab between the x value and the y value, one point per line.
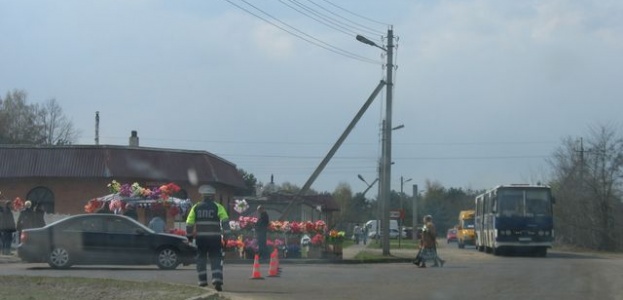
87	225
121	226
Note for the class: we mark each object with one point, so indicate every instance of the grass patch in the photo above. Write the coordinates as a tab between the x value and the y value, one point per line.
55	288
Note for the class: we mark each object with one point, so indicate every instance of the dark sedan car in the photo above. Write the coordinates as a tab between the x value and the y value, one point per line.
103	239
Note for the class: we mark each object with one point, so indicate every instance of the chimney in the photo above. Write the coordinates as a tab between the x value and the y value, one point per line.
134	139
97	128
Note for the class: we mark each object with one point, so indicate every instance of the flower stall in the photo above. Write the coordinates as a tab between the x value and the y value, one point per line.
293	239
335	242
148	202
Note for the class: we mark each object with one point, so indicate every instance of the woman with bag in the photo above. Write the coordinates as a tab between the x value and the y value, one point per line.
428	245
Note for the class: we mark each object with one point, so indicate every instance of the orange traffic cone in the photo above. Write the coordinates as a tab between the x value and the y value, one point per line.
256	268
273	269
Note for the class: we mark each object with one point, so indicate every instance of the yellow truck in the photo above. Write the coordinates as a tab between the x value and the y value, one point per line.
465	234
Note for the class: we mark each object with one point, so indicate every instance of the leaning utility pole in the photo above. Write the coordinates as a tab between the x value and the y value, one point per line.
336	146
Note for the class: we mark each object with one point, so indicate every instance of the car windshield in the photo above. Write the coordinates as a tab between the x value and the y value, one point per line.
528	203
468	223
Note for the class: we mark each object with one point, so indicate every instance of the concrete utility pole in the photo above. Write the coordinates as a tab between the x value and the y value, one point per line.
387	143
385	169
415	219
402	194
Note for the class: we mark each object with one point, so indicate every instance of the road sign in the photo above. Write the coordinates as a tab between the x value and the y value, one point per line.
394	214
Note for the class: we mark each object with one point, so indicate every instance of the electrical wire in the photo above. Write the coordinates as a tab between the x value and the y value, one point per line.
302	35
354	14
319	18
358	26
335	23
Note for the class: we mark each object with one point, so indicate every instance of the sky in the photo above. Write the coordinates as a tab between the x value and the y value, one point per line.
486	89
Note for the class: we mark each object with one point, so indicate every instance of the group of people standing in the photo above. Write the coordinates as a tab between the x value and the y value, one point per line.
361	234
30	217
7	227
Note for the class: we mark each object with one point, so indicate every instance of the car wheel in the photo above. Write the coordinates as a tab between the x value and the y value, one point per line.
59	258
167	258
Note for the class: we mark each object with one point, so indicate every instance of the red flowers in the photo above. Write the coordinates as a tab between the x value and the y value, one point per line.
93	205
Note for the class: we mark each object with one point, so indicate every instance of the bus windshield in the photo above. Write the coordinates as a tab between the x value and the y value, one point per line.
468	223
524	203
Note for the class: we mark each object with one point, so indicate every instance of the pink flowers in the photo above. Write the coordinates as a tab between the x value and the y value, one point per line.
18	204
116	205
317	240
248	223
135	190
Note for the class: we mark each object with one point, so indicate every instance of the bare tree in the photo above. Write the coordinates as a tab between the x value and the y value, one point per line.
57	129
588	181
22	123
18	120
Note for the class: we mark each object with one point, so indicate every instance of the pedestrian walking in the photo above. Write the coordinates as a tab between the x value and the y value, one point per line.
206	223
357	232
428	245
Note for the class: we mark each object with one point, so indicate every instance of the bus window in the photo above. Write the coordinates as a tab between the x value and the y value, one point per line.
537	204
511	203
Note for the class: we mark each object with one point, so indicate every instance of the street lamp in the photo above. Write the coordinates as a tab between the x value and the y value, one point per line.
386	149
402	183
368	184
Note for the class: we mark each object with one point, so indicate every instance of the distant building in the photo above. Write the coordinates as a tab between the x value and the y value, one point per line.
64	178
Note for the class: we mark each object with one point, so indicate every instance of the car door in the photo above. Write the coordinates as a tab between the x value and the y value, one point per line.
128	243
85	237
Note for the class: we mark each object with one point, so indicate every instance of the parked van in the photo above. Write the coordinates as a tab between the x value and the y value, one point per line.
374	226
465	234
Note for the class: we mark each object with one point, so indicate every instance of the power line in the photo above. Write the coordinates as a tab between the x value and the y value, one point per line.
329	24
302	35
354	14
330	21
361	27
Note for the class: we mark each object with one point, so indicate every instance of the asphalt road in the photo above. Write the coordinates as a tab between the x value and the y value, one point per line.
468	274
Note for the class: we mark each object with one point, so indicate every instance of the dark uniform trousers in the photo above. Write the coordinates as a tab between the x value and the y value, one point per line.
209	246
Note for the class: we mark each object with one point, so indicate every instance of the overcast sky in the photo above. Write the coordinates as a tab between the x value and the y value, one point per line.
486	89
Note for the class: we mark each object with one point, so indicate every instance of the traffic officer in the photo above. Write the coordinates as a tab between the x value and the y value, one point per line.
205	223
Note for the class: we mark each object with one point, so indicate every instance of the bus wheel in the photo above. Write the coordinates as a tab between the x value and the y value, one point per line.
540	252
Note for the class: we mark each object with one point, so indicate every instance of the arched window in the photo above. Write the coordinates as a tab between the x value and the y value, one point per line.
42	196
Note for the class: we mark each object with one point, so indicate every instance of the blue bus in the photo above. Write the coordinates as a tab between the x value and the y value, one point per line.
515	217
